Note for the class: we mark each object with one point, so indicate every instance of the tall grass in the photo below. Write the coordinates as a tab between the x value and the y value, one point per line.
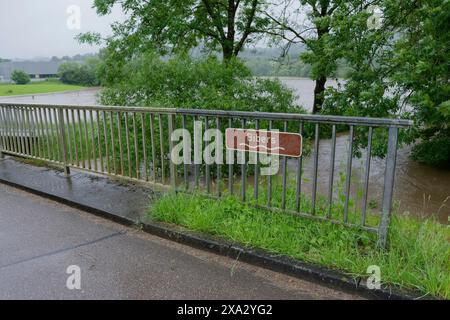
417	256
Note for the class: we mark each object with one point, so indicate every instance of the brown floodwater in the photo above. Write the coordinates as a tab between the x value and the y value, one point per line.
419	190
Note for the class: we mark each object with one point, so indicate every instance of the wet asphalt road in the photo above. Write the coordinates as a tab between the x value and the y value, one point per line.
40	238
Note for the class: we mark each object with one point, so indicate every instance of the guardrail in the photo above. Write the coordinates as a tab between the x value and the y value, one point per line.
136	143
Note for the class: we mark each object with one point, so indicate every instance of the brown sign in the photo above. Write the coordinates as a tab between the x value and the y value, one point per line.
263	141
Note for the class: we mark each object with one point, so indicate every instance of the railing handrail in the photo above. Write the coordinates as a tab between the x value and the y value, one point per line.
301	116
330	119
91	107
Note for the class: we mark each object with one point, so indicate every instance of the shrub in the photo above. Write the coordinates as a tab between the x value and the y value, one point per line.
20	77
79	73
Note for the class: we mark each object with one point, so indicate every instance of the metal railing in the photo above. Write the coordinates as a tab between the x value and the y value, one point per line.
135	143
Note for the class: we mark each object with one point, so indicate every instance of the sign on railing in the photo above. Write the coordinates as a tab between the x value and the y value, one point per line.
264	141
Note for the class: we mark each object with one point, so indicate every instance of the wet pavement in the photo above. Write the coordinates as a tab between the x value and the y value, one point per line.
40	239
89	190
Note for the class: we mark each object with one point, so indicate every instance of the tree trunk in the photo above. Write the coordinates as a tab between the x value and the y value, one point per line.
319	94
227	53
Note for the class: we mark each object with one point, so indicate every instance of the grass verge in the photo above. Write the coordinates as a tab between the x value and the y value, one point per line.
417	257
36	88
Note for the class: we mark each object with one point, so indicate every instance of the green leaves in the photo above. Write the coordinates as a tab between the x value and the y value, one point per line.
179	25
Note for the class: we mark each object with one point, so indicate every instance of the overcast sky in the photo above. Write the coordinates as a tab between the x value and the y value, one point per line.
45	28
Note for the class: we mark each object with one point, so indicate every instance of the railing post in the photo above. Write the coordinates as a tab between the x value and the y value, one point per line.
388	186
62	135
171	164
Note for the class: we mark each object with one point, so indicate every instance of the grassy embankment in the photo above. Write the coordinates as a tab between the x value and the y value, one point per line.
418	256
49	86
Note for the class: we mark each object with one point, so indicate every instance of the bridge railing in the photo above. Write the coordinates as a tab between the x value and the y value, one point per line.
138	143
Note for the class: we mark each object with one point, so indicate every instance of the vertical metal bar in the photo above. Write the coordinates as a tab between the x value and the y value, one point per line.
388	190
243	169
6	126
113	142
136	150
161	145
283	195
36	141
80	135
43	135
12	128
269	177
105	134
331	180
185	167
152	138
196	165
119	127
56	136
349	174
86	139
367	176
144	146
11	142
127	137
28	134
256	174
32	133
17	129
74	135
20	146
299	174
22	133
62	135
316	164
50	133
230	165
173	169
219	167
94	153
10	117
207	167
99	140
2	132
67	124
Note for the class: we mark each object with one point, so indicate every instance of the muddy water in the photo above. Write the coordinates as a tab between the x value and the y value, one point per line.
420	190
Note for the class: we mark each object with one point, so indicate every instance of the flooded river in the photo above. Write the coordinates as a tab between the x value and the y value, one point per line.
420	190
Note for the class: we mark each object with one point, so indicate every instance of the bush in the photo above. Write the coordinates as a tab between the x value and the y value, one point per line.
20	77
79	73
183	82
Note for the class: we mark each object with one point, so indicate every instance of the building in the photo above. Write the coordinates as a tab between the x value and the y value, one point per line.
35	69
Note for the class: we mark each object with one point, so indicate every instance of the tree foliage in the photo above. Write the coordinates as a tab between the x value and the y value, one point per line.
179	25
184	82
80	73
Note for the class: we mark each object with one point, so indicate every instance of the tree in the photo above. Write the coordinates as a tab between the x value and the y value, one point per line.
80	73
421	70
312	23
178	25
20	77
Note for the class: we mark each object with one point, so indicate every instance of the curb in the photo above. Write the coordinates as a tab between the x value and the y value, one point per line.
307	271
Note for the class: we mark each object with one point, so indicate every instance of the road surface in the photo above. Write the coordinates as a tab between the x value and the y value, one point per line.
40	239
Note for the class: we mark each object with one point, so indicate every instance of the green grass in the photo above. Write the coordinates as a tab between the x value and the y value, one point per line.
417	257
36	88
